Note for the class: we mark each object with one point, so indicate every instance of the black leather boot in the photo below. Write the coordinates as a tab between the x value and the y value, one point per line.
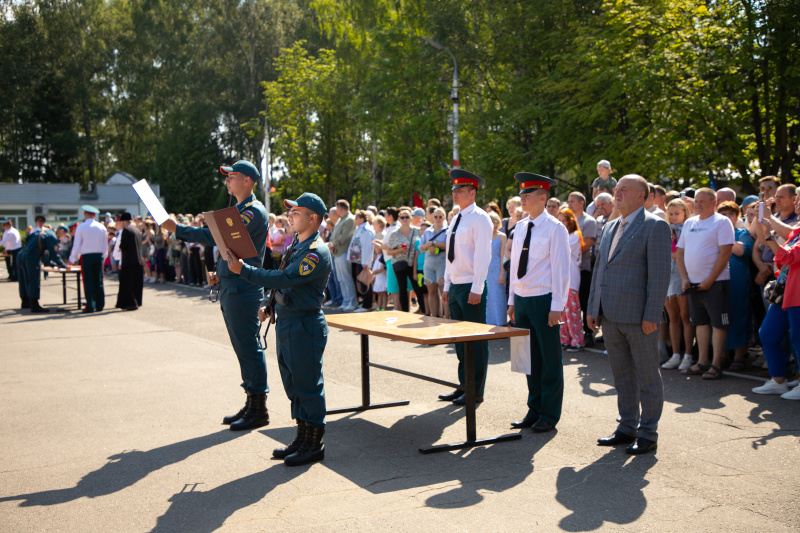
26	304
228	420
312	448
256	414
281	453
36	308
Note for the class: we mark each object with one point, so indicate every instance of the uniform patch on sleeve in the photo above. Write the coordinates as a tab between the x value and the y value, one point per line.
307	266
247	216
313	257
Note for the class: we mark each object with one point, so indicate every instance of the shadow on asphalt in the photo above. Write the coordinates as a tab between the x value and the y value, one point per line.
386	459
623	501
124	469
692	394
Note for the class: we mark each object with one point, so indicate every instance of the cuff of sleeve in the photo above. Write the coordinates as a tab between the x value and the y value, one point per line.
446	287
245	273
477	288
557	305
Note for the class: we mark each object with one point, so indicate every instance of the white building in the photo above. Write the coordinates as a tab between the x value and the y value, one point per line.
61	202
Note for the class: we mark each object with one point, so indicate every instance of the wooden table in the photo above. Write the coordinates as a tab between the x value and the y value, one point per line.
424	330
73	269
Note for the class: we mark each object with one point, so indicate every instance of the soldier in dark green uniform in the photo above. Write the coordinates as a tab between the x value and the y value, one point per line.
29	261
240	299
301	330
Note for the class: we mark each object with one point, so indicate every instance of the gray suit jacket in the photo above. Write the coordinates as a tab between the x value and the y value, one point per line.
631	286
342	234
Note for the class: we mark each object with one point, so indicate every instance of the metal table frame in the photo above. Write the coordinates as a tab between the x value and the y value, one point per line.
64	273
469	378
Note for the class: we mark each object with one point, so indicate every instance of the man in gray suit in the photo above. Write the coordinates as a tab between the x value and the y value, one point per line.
629	286
338	243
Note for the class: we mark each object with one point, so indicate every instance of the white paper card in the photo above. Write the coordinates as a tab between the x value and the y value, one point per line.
150	201
521	354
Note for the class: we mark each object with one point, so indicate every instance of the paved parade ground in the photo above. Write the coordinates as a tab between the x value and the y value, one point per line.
111	422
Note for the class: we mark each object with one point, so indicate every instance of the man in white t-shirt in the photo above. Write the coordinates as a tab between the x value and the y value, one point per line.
703	251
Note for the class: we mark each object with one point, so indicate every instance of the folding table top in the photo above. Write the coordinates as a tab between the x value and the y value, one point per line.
419	329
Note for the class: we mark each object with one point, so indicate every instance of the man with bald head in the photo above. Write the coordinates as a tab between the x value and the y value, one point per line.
726	195
629	286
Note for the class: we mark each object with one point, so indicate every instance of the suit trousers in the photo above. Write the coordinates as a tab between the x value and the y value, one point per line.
546	381
637	377
461	310
345	278
92	266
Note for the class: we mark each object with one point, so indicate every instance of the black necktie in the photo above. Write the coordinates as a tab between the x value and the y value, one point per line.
451	251
523	257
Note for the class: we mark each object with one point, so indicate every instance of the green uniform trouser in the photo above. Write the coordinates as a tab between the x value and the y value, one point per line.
92	266
461	310
301	339
29	271
546	382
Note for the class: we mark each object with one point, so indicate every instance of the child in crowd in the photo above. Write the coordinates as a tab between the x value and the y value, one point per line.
379	285
677	303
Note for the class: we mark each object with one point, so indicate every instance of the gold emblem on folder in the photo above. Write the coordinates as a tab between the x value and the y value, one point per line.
229	221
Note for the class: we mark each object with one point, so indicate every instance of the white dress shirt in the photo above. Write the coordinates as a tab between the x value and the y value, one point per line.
11	239
91	237
548	261
473	250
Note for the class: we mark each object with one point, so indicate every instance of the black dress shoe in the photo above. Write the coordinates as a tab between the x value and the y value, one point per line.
617	438
641	446
588	341
526	422
462	400
542	426
450	397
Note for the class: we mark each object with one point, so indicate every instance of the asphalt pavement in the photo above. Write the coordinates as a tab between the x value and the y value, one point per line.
112	422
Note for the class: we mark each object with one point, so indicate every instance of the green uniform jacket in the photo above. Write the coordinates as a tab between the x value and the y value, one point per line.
302	283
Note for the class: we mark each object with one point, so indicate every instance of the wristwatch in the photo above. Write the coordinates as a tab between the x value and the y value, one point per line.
770	238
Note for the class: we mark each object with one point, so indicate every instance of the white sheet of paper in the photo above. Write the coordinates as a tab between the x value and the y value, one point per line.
150	201
521	354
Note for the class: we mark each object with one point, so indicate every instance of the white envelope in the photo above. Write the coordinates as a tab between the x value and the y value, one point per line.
521	354
150	201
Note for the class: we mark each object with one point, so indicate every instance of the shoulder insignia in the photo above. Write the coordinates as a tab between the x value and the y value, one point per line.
316	244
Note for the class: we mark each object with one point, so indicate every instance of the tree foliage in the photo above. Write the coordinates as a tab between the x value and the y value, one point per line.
347	100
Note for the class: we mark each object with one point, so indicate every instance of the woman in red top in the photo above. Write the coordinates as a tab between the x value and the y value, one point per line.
782	318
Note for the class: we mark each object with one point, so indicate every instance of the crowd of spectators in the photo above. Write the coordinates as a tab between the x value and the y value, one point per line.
734	289
716	315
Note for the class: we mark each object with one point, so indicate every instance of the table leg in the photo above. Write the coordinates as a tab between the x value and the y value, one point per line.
64	286
365	392
469	378
78	276
469	384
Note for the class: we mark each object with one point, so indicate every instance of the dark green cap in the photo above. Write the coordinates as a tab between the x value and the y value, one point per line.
310	201
245	167
529	182
462	177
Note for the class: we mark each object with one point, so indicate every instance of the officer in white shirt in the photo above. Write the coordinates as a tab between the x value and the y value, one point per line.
11	243
538	291
90	248
469	251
